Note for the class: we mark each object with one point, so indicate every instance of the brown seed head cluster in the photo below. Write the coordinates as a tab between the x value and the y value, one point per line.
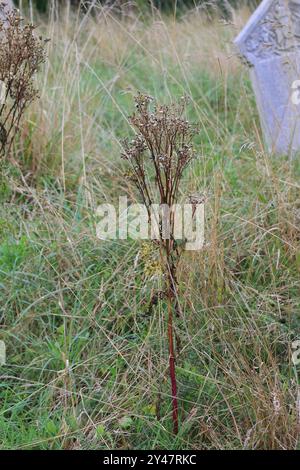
21	54
164	139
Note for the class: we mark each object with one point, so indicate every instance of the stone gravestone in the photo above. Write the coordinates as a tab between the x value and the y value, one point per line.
270	46
5	5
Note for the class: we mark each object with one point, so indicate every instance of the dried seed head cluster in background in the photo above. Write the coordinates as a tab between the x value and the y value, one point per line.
21	54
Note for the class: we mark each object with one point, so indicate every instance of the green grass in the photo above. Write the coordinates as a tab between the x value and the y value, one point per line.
87	363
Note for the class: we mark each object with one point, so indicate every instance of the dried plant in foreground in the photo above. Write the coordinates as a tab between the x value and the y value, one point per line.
158	155
21	54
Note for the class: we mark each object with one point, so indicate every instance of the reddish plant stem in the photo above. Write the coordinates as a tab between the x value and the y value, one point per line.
172	362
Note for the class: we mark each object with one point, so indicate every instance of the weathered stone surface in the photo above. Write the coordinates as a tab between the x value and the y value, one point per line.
5	5
270	45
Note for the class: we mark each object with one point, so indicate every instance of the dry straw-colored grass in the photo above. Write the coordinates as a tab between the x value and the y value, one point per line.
92	349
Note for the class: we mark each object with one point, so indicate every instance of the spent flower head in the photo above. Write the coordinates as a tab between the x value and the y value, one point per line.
162	147
21	54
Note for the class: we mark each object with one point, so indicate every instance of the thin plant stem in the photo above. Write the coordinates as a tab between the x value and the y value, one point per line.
162	149
172	369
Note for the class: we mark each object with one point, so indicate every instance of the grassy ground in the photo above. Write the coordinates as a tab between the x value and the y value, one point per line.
87	364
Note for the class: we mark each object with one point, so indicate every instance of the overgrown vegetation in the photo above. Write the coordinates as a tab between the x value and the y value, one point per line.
222	7
87	359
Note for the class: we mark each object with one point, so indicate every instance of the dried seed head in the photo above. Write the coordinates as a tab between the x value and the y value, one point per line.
162	132
159	152
21	54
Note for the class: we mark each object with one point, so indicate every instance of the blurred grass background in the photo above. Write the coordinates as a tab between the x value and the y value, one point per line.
86	357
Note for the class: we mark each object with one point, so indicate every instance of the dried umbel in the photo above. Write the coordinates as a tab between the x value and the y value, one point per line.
163	140
21	54
158	155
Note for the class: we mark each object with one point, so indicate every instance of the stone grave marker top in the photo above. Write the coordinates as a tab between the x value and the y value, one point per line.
5	5
270	45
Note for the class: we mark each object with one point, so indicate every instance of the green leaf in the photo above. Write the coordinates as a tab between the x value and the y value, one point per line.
100	430
126	422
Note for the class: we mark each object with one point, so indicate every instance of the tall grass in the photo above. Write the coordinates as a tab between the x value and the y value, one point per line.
86	359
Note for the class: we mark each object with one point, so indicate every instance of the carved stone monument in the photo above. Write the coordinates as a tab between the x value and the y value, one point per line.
5	5
270	45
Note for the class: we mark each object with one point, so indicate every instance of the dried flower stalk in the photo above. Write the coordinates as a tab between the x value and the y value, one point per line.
159	153
21	54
